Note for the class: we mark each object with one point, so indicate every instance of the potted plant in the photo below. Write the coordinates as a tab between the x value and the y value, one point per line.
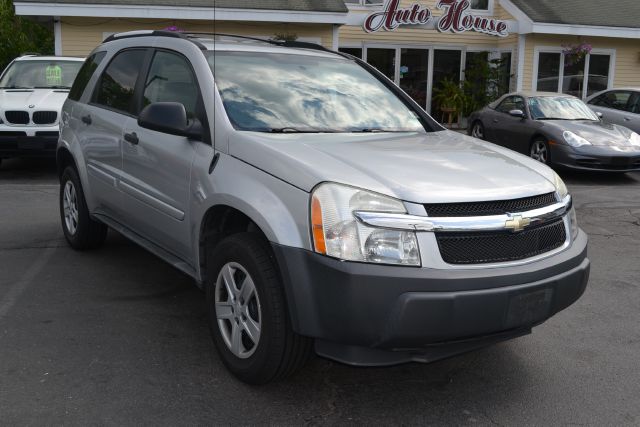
450	99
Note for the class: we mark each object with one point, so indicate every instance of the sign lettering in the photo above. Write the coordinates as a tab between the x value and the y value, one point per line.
457	18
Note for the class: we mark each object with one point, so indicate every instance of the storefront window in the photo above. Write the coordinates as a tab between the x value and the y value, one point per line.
598	73
573	80
581	75
355	51
548	71
446	66
384	60
480	4
414	64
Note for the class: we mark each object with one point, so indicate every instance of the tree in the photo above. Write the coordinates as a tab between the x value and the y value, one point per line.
19	35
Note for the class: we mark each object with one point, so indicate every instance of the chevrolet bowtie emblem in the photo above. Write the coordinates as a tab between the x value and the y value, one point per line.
517	223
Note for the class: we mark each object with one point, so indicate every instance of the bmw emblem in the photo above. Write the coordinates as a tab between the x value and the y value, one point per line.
32	106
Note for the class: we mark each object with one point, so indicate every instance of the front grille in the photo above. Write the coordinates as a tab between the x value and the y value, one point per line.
499	207
9	133
500	246
45	117
17	117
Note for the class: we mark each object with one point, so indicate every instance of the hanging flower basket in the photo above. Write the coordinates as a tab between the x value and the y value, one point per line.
574	54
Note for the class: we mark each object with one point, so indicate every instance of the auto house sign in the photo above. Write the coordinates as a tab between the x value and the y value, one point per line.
457	17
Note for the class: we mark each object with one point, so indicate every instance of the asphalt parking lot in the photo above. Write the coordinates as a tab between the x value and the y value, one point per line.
117	337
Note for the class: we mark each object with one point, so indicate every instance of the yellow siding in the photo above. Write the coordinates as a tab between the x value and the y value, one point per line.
81	35
627	55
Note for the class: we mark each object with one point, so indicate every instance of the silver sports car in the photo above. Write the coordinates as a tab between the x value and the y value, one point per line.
559	130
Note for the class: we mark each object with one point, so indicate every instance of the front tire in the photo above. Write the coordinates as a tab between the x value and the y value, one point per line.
81	232
248	315
539	151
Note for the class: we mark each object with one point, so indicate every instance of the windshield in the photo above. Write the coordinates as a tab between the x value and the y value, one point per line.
560	108
36	74
269	92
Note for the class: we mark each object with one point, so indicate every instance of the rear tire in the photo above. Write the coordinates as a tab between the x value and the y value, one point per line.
539	151
477	130
81	232
248	315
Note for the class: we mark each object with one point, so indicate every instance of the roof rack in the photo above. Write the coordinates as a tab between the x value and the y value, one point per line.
193	37
282	43
152	33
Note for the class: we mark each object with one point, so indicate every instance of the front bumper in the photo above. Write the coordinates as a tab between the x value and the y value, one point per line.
596	158
16	141
365	314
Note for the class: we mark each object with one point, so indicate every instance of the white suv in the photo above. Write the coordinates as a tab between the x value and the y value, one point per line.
32	91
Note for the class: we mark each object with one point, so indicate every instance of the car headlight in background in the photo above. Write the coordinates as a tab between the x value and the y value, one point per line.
337	233
574	140
634	139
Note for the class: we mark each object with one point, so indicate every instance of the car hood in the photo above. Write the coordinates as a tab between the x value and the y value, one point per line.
597	133
422	168
41	99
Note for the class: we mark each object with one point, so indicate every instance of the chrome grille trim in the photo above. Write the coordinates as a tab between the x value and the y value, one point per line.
462	224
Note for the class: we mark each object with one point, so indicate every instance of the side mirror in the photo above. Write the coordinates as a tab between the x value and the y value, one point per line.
599	114
517	113
170	118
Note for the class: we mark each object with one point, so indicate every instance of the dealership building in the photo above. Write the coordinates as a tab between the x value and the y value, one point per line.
571	46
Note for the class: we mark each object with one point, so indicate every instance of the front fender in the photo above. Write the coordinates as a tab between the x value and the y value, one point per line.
279	209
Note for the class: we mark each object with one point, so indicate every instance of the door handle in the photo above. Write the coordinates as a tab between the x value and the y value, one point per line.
496	121
86	120
627	119
131	138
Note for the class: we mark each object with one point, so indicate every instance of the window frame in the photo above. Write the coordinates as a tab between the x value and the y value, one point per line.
91	58
559	50
201	110
134	104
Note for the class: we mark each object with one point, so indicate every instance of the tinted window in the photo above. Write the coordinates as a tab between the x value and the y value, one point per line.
171	79
634	103
511	103
618	100
117	83
84	75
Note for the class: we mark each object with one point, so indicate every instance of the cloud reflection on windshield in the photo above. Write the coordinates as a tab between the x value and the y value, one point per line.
272	91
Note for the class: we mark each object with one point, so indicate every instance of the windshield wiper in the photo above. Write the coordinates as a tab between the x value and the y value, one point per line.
53	87
290	129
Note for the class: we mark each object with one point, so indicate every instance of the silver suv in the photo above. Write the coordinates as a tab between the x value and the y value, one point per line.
315	203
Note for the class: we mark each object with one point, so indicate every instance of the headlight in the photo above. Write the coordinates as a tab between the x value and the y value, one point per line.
574	140
563	191
338	234
634	139
561	187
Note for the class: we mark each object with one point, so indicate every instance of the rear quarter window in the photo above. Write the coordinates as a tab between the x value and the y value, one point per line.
84	75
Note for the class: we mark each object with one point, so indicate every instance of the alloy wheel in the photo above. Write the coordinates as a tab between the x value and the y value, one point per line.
238	311
539	151
477	131
70	206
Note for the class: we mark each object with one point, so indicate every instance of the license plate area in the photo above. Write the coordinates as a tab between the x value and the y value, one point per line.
529	308
30	144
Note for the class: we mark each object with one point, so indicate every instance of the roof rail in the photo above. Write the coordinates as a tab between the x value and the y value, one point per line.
282	43
152	33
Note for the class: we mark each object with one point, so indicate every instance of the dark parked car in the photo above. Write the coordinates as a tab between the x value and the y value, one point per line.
557	129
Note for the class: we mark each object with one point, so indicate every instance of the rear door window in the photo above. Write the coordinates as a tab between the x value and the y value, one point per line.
617	100
116	88
84	75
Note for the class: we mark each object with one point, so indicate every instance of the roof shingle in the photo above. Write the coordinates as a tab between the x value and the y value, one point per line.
618	13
